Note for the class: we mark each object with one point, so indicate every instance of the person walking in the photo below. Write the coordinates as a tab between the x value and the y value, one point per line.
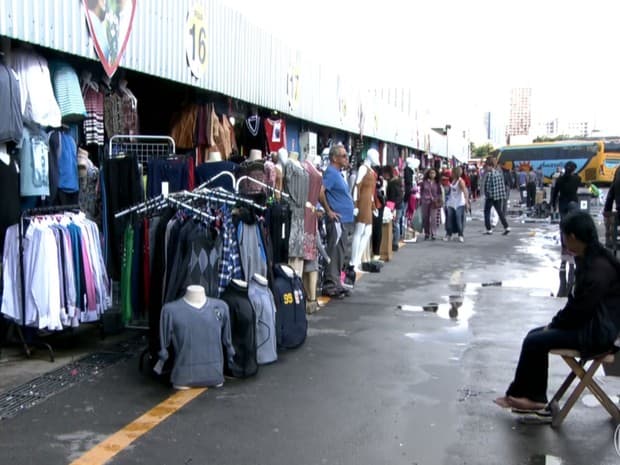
457	202
564	198
338	204
394	200
494	195
531	188
431	200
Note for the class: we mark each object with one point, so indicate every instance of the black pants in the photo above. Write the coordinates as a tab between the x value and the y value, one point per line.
377	232
497	204
531	374
531	194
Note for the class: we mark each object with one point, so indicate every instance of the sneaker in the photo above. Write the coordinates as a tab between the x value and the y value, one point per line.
433	238
506	232
461	239
488	232
447	238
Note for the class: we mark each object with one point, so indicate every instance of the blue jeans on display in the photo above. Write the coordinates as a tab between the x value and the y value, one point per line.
455	220
396	224
532	370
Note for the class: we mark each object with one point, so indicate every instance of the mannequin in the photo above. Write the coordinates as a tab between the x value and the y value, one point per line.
241	283
311	237
195	296
214	156
363	196
411	193
260	279
296	184
281	159
255	155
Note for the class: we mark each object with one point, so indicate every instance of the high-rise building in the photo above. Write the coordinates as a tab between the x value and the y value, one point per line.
520	114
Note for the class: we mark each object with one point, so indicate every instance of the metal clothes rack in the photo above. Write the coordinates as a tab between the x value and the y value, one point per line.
28	214
255	181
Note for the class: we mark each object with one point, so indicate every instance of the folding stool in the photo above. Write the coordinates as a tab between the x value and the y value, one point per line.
577	365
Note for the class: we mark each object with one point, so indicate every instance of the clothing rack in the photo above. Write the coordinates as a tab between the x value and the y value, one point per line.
29	214
255	181
219	175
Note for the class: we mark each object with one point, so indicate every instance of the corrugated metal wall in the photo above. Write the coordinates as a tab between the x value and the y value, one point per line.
243	61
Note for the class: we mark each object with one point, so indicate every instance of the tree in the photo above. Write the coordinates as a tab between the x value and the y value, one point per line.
482	151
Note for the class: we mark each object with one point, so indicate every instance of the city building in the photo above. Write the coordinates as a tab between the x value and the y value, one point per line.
520	113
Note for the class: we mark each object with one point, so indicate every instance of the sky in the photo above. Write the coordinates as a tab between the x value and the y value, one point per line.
461	57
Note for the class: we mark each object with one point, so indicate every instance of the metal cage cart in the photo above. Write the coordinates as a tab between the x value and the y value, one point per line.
143	149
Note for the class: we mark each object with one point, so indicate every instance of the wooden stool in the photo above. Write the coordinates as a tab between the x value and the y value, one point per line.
577	365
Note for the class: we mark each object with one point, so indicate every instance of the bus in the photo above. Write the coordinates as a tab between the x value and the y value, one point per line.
596	160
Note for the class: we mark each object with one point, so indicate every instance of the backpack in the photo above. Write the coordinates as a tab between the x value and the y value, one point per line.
290	297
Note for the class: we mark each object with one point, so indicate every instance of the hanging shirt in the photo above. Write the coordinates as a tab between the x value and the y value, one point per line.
64	151
37	96
68	93
34	163
93	122
10	102
275	130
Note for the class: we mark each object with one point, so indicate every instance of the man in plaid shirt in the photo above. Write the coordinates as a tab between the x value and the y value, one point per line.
494	195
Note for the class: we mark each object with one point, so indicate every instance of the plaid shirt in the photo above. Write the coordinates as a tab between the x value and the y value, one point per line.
494	187
230	263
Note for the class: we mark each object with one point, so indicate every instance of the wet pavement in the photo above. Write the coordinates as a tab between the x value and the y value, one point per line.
380	379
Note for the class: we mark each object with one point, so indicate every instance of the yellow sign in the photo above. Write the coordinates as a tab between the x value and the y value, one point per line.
196	40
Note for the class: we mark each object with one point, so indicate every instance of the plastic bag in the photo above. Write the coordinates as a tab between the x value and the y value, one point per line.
416	222
494	217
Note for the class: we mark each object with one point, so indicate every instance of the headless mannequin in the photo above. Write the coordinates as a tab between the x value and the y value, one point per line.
255	155
260	279
310	278
362	232
196	297
214	156
282	160
240	283
285	157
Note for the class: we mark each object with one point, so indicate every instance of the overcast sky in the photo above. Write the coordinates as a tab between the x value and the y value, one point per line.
462	56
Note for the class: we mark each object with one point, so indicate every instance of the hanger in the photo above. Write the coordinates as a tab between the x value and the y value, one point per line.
122	86
219	175
87	81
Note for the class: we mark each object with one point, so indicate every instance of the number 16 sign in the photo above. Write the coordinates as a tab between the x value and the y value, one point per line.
196	40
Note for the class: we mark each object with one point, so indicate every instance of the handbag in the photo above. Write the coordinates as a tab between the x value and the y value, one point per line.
437	202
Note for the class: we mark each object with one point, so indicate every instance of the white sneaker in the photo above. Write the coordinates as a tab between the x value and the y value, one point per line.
488	232
446	239
461	239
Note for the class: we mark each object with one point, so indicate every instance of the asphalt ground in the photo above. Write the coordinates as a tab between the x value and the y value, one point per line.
378	381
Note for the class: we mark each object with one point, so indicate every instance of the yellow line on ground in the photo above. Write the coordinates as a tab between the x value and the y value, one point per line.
119	441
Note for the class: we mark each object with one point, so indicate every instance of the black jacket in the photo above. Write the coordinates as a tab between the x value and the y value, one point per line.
593	308
394	192
566	189
613	194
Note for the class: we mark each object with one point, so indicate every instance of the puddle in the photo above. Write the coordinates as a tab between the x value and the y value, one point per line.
590	401
458	308
545	460
326	331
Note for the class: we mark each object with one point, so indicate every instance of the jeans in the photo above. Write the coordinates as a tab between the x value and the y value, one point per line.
396	224
455	220
497	204
531	374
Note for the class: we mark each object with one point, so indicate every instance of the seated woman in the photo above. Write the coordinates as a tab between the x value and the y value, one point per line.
589	322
